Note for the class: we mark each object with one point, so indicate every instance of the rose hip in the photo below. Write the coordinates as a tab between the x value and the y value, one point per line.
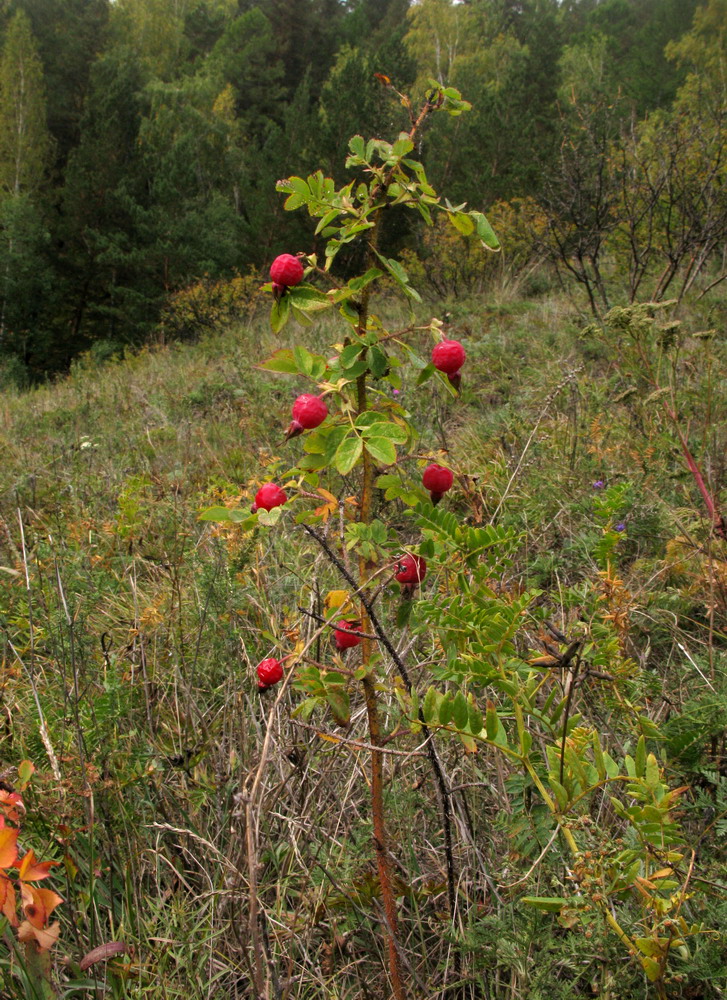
437	479
286	270
343	637
308	412
268	496
448	356
411	569
269	672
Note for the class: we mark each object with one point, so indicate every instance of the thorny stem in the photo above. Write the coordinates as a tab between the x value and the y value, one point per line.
444	791
383	862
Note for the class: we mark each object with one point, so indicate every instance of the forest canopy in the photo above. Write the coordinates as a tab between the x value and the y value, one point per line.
139	157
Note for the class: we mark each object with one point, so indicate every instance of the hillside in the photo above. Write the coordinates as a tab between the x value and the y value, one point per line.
131	631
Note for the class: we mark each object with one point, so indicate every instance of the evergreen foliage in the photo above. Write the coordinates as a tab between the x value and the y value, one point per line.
153	132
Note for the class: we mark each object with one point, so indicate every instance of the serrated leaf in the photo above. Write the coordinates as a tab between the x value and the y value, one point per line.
381	449
386	429
280	361
303	360
270	517
350	355
357	284
347	454
308	298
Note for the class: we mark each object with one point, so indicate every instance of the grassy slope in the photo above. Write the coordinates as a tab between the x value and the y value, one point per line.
142	626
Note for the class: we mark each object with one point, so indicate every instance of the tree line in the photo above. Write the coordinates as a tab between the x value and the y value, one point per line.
140	141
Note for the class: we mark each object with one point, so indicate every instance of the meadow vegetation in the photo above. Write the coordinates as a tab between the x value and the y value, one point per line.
131	631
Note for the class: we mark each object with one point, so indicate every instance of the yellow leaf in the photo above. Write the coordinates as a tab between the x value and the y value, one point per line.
335	599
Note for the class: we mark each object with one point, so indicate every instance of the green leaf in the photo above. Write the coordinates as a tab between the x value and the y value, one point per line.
221	514
356	284
462	222
398	273
270	517
491	721
640	758
485	231
598	757
429	709
652	968
653	779
337	698
560	793
381	449
347	454
386	429
280	314
357	146
350	355
303	360
445	710
476	722
327	219
281	361
308	298
378	361
459	711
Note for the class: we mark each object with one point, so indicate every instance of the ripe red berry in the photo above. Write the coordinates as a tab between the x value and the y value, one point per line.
286	270
344	639
268	496
448	356
308	412
437	479
410	569
269	672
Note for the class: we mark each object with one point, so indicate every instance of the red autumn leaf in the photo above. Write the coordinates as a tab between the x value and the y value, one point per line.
32	870
8	847
38	904
7	901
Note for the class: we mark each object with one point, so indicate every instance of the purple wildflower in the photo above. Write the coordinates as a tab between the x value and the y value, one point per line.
620	526
599	484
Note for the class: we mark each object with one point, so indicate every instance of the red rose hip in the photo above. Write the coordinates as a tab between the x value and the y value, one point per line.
437	479
448	356
268	496
286	270
343	637
308	412
269	672
411	569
